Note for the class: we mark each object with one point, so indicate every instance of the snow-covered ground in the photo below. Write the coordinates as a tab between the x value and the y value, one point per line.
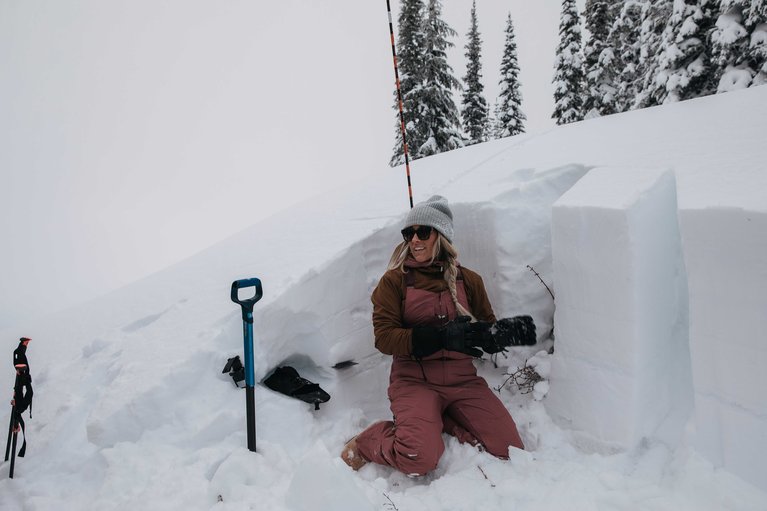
132	412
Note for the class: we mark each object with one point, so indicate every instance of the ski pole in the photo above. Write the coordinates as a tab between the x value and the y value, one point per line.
10	446
10	432
247	327
22	399
399	102
13	446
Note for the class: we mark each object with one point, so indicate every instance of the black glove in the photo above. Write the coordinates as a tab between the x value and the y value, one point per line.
492	346
461	335
458	335
427	340
516	331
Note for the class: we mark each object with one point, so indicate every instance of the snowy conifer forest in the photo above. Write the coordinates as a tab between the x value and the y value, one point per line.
613	57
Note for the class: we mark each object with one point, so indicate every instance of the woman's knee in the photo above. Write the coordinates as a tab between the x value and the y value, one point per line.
420	462
419	455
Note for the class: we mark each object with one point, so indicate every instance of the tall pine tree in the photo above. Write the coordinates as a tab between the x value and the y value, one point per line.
509	117
568	76
475	112
438	112
597	58
410	51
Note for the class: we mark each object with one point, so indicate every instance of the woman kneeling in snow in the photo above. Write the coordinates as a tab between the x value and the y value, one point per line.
424	311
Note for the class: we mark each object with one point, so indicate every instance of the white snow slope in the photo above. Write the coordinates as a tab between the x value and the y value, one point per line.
132	412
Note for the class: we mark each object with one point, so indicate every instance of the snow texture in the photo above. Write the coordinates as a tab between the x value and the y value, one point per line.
724	255
132	412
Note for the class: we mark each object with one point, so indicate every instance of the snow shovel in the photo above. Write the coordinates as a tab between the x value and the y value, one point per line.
247	327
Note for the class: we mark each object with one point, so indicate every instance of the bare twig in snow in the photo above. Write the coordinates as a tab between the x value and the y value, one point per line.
492	485
390	504
542	282
524	378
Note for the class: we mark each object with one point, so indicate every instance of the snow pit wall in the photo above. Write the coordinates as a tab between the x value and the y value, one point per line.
326	317
725	253
621	369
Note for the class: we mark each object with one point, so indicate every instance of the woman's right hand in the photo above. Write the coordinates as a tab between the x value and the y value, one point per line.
459	335
462	335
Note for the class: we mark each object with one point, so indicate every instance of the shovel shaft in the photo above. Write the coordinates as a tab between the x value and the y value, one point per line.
250	411
250	399
247	330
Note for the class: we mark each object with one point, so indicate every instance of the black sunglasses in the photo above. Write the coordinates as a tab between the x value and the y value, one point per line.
423	232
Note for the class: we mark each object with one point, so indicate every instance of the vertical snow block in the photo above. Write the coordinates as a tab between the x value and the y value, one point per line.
621	366
726	258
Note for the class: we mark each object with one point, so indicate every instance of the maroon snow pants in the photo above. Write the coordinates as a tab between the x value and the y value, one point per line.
428	399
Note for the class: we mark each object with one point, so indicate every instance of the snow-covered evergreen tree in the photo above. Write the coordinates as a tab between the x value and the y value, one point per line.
475	111
729	47
655	16
740	44
410	52
685	69
568	75
624	39
756	24
438	112
597	59
510	120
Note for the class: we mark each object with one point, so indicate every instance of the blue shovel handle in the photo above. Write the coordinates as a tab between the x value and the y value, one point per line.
247	318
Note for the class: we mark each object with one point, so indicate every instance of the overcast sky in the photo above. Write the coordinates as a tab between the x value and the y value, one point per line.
134	134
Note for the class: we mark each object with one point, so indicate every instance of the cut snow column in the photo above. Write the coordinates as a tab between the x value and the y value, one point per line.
621	367
726	257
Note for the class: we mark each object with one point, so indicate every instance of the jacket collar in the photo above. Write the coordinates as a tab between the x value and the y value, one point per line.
436	266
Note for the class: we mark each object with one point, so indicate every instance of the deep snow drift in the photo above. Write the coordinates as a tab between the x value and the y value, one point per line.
131	410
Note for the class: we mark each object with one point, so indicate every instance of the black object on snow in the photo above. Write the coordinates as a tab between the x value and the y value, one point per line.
286	380
236	371
345	364
22	400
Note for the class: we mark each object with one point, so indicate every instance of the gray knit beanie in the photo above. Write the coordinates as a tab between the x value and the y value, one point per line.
433	212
